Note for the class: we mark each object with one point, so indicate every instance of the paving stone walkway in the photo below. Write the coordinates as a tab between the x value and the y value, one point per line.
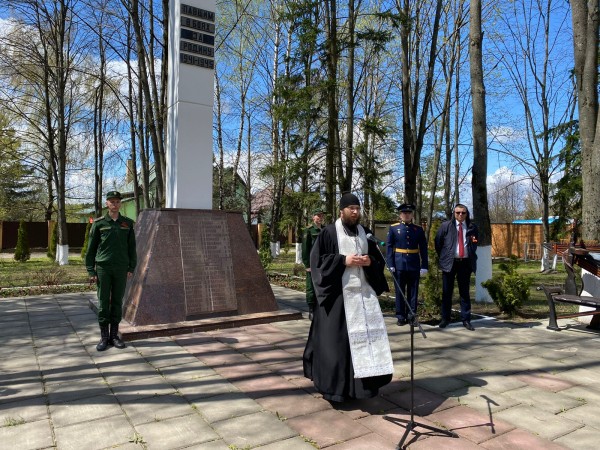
502	386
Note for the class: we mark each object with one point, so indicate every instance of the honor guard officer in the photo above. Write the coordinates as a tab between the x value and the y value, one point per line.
407	258
110	260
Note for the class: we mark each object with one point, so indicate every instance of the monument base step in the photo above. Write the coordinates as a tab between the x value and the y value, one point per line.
132	333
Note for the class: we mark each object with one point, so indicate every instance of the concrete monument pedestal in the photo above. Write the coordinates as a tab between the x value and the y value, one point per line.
197	270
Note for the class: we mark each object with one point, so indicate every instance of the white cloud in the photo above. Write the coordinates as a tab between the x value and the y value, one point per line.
505	134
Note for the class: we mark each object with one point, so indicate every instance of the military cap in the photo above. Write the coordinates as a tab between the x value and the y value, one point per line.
113	194
406	207
317	211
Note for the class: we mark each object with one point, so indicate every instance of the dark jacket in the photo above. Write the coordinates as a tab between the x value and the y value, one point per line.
407	237
446	241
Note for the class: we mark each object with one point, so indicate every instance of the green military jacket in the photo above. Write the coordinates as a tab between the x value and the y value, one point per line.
111	243
308	239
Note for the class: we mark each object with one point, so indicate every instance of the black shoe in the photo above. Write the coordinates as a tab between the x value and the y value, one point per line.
468	325
402	322
114	336
443	323
103	344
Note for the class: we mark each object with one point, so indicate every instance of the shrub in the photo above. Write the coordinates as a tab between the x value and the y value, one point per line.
432	286
264	252
22	252
51	253
508	289
85	240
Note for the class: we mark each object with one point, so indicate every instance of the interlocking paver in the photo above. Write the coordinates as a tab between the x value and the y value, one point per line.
539	398
97	434
250	430
140	388
226	406
328	427
538	421
585	438
519	439
543	380
246	387
156	408
587	414
84	410
474	425
27	436
293	403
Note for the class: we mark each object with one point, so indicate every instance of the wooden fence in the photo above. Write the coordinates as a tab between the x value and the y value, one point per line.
39	234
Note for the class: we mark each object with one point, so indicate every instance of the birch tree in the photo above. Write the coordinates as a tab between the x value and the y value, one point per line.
478	183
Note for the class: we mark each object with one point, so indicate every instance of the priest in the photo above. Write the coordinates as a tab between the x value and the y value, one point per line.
347	354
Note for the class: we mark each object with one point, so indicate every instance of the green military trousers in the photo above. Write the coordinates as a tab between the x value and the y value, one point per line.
111	287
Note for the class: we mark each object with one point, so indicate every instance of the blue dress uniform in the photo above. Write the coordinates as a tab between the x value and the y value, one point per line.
406	256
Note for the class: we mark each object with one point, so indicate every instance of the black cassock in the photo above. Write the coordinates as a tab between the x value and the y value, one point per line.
327	360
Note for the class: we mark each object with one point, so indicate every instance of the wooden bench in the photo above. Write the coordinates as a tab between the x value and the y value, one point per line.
570	293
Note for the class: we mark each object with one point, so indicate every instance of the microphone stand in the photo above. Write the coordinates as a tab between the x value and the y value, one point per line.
411	424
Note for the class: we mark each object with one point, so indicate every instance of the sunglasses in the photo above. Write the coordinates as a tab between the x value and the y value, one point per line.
460	213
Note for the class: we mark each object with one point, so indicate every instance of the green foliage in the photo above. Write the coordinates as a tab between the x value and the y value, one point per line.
85	240
432	286
22	252
234	191
264	252
18	192
566	201
508	289
53	243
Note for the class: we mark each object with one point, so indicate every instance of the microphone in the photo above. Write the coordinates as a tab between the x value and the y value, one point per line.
372	238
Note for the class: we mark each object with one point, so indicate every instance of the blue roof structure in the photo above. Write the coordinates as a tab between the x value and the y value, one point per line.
533	221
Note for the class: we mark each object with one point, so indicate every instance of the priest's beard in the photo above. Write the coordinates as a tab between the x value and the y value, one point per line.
350	219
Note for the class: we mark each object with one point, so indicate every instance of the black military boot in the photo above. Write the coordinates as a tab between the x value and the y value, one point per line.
114	336
103	344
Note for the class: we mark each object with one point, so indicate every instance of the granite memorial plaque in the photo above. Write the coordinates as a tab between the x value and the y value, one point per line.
188	270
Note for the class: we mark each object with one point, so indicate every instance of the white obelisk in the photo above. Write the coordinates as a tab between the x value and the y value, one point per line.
189	155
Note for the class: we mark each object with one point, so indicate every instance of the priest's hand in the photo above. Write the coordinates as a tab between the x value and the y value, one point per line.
358	260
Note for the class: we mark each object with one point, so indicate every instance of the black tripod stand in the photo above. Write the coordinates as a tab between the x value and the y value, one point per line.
411	424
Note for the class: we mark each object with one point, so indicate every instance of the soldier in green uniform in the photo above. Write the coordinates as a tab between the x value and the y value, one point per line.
110	260
308	239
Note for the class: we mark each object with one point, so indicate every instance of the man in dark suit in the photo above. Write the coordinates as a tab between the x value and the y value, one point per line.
456	246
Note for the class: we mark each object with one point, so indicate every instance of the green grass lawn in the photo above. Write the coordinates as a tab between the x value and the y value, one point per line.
285	272
42	275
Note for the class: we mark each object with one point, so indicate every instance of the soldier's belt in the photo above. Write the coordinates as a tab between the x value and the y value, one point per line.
407	250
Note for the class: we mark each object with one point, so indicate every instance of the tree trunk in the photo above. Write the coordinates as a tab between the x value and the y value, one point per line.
585	16
479	171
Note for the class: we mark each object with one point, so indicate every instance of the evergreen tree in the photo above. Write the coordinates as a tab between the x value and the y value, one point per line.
51	253
22	252
85	240
567	198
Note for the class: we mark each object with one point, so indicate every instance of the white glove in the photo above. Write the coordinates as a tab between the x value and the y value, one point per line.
423	272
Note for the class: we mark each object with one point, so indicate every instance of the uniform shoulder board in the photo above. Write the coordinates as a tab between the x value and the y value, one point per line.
395	224
97	219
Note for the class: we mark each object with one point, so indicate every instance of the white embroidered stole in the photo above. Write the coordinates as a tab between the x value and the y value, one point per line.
369	345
